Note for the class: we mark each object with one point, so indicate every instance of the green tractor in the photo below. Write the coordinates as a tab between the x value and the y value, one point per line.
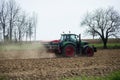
70	45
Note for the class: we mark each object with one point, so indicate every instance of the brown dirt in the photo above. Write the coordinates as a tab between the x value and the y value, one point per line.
102	63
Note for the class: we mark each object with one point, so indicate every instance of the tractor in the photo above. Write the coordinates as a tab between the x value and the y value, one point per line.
70	45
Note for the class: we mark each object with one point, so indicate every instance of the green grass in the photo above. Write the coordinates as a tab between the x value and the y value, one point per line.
3	78
109	45
112	76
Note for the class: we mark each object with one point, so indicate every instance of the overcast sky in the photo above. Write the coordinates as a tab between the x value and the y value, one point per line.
56	16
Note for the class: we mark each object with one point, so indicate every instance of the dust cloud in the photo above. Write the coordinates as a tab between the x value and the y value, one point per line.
34	50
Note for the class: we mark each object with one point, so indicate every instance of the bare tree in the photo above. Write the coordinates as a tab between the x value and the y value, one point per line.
21	26
3	17
34	18
91	32
14	24
31	27
0	33
104	22
13	13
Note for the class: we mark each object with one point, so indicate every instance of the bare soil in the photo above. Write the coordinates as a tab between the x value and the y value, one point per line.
52	68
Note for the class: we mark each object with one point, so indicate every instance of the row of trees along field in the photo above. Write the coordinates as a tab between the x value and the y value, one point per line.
15	24
103	23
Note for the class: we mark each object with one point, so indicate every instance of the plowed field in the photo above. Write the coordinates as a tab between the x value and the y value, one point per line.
102	63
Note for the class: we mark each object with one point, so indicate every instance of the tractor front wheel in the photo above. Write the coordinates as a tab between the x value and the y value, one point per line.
69	51
89	51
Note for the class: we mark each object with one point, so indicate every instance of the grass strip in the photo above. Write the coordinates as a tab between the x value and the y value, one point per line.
112	76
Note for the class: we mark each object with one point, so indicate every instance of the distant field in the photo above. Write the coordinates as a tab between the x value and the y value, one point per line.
95	41
112	44
109	45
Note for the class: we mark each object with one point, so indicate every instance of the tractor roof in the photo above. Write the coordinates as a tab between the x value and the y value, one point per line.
68	34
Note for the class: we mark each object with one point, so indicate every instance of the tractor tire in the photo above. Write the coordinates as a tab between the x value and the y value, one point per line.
69	51
89	51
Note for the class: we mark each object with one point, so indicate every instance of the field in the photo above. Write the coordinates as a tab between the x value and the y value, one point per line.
112	43
32	62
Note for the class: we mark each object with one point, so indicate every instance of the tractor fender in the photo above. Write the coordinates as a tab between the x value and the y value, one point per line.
94	48
84	47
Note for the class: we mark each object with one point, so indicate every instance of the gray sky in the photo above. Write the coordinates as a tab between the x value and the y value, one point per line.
56	16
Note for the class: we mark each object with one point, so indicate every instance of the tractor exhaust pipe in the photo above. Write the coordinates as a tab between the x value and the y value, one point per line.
79	44
80	38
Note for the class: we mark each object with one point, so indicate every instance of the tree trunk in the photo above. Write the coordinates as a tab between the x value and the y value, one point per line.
4	32
10	31
15	36
93	36
105	43
19	36
26	36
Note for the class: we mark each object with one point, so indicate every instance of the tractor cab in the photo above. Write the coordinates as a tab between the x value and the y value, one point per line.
69	37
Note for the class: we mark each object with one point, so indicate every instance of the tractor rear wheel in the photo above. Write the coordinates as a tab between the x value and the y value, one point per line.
89	51
69	51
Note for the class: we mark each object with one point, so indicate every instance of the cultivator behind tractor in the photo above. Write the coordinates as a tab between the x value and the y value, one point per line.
70	45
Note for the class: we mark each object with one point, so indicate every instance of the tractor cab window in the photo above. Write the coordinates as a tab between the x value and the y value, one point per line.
73	38
63	37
